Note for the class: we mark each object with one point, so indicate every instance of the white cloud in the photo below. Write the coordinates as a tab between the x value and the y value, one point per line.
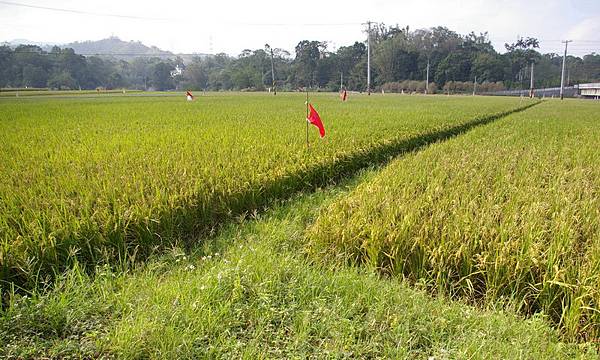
588	28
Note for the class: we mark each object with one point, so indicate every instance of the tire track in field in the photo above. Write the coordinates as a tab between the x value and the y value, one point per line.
259	199
192	220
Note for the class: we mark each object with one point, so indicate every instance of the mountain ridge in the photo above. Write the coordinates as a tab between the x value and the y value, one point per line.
112	46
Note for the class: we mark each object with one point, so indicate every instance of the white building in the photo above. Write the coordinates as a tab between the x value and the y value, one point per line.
589	90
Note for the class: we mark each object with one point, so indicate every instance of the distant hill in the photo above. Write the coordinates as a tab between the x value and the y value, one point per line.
16	42
126	50
112	47
115	47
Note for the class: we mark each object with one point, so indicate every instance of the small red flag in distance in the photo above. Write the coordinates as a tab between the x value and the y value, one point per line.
315	119
344	95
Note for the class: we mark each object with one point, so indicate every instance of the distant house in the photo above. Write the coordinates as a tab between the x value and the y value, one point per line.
591	90
178	71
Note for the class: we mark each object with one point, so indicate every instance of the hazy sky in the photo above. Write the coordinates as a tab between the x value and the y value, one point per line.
230	26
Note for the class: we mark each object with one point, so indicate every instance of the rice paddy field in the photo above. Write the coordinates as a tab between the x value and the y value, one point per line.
420	226
509	212
95	181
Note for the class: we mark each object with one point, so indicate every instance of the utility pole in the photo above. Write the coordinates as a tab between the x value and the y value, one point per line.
446	83
341	80
427	78
368	23
531	84
562	75
474	85
272	70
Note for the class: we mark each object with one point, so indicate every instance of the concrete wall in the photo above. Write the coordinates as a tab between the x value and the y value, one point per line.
569	91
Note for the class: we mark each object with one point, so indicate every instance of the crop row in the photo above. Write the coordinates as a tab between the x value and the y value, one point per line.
110	180
508	213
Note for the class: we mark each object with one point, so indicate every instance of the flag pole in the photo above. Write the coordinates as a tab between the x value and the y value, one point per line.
307	143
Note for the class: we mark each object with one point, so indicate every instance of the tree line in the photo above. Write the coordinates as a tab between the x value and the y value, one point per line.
399	61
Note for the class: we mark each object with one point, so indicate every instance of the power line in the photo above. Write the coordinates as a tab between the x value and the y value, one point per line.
142	54
368	23
562	75
542	39
63	47
80	12
561	41
108	54
91	13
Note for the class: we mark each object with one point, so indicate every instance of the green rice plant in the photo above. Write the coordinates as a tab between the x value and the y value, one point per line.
506	214
112	179
250	292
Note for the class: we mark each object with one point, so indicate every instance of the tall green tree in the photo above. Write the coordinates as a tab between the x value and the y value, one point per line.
308	54
7	71
161	78
520	55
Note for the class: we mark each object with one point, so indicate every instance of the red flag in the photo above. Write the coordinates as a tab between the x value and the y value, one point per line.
315	119
344	95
